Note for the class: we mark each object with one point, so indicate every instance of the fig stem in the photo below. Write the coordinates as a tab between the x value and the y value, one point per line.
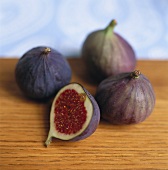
47	50
109	29
48	141
135	74
113	23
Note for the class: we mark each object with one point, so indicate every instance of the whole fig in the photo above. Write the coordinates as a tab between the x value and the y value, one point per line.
74	114
41	72
127	98
106	53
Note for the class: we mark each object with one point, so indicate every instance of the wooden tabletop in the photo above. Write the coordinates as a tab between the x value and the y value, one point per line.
24	126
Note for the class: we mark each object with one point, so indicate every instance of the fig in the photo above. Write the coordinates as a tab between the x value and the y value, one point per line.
106	53
41	72
127	98
74	114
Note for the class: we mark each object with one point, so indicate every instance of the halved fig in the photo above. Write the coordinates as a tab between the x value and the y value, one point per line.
74	114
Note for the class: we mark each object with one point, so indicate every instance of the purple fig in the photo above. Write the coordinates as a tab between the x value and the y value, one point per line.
127	98
74	114
41	72
106	53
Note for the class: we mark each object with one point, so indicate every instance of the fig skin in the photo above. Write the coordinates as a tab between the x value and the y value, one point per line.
107	53
127	98
41	72
94	121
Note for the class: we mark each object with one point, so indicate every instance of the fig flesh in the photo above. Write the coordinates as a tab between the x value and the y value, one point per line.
74	114
41	72
107	53
127	98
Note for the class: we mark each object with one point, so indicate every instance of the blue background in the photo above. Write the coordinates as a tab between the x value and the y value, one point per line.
64	25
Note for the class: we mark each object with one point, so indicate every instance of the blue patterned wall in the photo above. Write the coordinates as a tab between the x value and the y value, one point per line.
64	24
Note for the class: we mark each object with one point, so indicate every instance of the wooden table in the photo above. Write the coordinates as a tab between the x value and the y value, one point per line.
24	126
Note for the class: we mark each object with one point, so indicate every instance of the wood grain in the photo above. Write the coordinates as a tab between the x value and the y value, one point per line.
24	126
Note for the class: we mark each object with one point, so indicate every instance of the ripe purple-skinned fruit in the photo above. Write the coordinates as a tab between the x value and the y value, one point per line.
127	98
41	72
74	114
106	53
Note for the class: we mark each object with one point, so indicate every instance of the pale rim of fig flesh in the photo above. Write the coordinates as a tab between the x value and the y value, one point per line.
89	109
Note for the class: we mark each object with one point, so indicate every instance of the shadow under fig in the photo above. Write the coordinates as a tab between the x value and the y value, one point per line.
80	71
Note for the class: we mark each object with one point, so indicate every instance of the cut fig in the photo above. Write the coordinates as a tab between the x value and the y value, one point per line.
74	114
